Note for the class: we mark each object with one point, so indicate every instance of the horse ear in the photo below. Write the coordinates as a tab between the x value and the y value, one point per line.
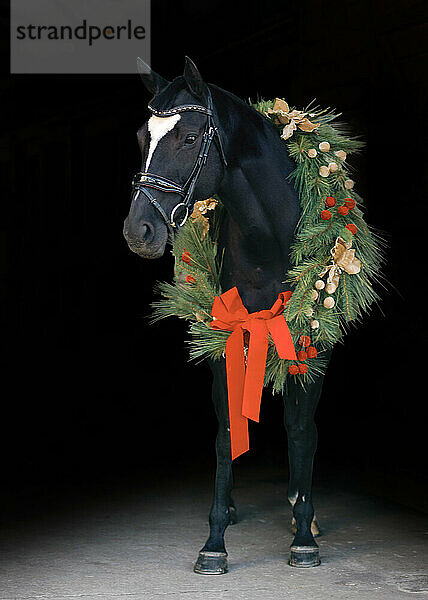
153	82
194	80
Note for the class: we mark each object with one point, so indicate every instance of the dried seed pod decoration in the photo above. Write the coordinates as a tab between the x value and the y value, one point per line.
324	146
341	154
329	302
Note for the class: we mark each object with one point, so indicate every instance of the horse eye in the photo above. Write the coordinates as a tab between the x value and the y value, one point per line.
190	139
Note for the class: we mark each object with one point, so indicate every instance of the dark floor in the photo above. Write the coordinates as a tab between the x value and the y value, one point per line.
117	542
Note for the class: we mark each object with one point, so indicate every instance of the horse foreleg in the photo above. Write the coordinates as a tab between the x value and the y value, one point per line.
212	558
300	405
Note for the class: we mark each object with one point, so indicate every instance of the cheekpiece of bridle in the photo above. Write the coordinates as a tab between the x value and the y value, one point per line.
143	181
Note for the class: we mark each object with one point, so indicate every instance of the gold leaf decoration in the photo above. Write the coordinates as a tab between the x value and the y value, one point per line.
343	259
200	209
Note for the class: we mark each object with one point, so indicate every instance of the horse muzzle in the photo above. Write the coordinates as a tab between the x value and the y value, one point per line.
143	240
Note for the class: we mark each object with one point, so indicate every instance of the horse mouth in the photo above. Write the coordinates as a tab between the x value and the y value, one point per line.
148	253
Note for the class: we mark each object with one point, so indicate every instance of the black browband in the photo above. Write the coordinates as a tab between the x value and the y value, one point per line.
142	181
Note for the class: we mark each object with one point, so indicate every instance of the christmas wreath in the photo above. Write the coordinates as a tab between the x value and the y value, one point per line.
336	255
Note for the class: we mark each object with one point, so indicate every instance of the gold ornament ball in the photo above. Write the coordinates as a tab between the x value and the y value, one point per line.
329	302
319	284
324	171
312	153
315	324
333	167
341	154
330	288
324	146
309	312
314	294
349	184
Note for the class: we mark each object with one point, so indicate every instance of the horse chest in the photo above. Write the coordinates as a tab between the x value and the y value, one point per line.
257	285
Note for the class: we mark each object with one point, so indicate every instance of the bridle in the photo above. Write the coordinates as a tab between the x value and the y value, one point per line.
141	181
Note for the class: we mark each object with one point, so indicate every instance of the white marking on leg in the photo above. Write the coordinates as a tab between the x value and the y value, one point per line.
158	127
292	499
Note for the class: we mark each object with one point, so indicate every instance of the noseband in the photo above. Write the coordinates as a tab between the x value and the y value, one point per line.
142	181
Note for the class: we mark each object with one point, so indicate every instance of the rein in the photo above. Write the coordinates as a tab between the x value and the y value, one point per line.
141	181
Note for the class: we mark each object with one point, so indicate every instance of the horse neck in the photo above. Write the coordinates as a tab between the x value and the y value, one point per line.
262	208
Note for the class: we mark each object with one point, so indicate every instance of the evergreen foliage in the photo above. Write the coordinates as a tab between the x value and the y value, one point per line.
198	265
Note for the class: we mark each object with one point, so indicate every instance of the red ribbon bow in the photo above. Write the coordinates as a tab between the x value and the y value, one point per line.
245	384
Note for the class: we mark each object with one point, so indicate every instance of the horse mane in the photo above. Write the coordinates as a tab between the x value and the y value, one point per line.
249	132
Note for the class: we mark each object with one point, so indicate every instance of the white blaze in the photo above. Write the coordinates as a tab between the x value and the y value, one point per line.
158	127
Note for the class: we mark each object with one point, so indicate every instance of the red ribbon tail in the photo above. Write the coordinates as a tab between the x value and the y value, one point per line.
256	367
281	336
235	369
245	384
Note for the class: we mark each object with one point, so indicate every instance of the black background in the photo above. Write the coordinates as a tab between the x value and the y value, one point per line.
89	389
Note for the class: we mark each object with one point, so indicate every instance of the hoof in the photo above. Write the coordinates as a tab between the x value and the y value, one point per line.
211	563
304	556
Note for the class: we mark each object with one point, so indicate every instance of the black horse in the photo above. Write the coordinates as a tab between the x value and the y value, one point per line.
246	166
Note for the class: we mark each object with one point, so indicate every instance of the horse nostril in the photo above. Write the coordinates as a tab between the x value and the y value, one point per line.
147	233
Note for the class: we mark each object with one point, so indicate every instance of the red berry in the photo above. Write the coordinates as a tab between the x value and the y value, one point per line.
343	210
293	369
185	257
352	228
326	215
350	203
303	368
190	279
302	355
312	352
330	201
305	340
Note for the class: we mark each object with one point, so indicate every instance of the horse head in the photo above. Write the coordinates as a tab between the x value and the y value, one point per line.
180	164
